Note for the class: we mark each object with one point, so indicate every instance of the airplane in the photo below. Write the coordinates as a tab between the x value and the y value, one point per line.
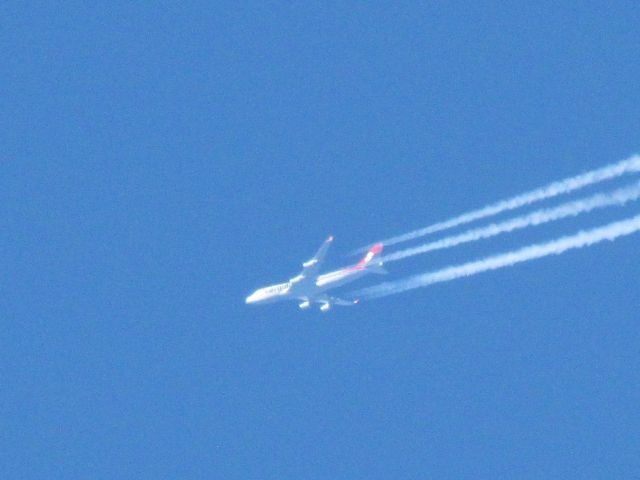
310	287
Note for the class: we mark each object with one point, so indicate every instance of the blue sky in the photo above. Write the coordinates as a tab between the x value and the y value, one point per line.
161	162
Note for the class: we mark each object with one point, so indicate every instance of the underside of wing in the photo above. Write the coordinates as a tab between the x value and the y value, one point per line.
346	303
326	302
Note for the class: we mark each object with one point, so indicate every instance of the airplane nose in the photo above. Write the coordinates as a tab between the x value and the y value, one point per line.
251	298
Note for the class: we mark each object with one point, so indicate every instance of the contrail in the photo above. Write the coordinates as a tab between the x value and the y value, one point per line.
581	239
630	165
569	209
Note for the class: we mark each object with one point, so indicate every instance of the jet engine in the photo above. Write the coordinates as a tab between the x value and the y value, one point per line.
304	305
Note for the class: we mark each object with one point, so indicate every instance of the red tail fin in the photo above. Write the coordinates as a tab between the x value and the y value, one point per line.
371	254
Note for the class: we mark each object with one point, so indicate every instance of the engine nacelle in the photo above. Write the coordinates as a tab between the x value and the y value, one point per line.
310	263
304	305
325	307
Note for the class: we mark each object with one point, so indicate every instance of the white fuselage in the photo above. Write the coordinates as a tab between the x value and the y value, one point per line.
301	287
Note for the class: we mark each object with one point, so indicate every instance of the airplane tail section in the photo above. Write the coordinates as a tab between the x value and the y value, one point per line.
369	260
377	267
371	254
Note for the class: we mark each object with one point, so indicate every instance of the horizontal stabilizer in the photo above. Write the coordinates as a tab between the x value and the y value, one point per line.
377	267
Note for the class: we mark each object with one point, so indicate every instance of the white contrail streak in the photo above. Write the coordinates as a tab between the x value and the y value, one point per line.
555	247
630	165
569	209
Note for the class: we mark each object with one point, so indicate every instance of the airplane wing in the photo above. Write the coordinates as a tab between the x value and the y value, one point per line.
326	302
346	303
313	265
